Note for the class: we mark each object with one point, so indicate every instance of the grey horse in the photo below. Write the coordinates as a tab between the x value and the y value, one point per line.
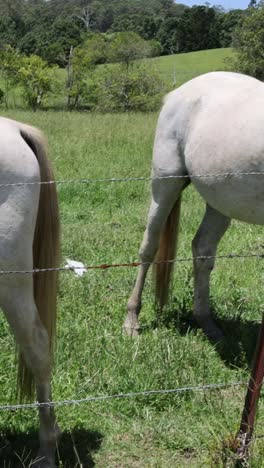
29	239
208	128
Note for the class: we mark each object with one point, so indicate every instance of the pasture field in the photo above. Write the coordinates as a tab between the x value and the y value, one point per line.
104	223
180	68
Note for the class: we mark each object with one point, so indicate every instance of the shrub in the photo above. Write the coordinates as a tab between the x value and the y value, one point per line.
82	62
9	65
137	89
36	79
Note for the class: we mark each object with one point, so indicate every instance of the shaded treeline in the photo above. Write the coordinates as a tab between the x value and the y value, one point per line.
50	28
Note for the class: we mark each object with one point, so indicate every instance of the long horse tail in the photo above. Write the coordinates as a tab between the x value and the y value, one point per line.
46	253
166	254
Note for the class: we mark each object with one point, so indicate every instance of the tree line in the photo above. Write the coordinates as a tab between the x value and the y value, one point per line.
124	82
49	28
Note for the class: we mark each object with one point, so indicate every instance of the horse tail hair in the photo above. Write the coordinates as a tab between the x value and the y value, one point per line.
165	256
46	253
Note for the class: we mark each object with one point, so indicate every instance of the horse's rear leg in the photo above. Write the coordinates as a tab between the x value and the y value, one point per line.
165	193
205	242
17	302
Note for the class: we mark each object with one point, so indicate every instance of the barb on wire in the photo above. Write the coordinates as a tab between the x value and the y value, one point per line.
134	179
106	266
95	399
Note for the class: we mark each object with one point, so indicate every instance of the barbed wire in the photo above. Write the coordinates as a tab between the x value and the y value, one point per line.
132	179
106	266
51	404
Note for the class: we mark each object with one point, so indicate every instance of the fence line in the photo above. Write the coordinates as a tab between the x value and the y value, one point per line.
133	179
50	404
106	266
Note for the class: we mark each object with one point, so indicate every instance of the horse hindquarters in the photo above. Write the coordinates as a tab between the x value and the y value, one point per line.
20	211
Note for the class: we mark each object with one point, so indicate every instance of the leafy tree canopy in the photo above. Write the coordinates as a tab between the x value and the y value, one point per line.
248	42
49	28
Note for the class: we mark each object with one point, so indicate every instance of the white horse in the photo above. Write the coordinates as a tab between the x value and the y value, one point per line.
214	124
29	239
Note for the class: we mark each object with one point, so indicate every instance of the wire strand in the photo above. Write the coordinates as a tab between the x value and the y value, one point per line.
106	266
133	179
95	399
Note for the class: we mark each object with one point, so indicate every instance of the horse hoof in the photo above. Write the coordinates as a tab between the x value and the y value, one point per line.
131	330
215	335
210	329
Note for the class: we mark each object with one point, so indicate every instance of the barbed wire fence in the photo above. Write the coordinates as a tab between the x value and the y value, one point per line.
135	179
207	387
96	399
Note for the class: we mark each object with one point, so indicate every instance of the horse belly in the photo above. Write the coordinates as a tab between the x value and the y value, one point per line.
227	150
238	197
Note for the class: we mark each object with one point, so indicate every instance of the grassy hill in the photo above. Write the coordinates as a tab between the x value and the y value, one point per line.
183	67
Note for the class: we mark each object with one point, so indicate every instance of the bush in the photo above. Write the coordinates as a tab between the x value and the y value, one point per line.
124	86
81	65
120	90
155	48
9	64
36	79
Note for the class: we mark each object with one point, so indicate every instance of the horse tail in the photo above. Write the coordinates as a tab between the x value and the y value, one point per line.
46	253
166	254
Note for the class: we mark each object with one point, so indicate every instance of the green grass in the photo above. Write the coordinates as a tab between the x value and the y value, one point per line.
104	223
183	67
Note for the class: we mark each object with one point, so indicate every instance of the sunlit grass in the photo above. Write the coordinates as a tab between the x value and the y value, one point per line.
104	223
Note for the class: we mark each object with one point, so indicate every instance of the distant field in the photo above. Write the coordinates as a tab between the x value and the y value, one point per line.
183	67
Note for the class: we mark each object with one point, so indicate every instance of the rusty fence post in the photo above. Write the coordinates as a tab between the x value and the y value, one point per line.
244	435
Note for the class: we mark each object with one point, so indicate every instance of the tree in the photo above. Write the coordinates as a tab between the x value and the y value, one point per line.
144	25
82	62
228	23
7	31
9	63
128	85
126	47
248	43
167	36
36	79
198	29
50	32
